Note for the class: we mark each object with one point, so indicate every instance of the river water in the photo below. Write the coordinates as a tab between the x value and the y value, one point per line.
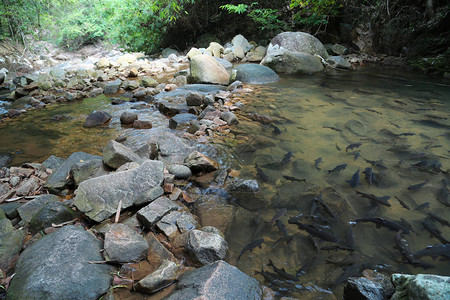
399	120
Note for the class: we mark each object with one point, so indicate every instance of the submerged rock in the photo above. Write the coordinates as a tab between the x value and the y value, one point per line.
199	162
421	286
255	74
99	197
290	62
218	280
97	118
57	267
123	244
247	194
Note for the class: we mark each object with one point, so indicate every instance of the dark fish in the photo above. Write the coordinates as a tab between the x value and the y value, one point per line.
399	148
433	166
351	271
276	130
363	92
280	213
374	111
352	146
370	176
312	210
418	186
406	134
383	200
400	102
434	251
422	206
350	238
329	211
432	146
434	231
261	174
317	162
306	267
317	232
354	182
338	168
376	163
439	219
332	128
337	147
282	273
287	158
403	247
356	155
290	178
407	225
336	247
283	230
251	246
394	226
442	195
402	203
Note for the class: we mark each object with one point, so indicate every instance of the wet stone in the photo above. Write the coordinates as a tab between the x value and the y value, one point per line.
10	243
230	118
123	244
127	118
180	171
141	124
51	213
112	87
165	274
53	162
88	169
199	162
10	209
32	207
179	120
194	99
97	118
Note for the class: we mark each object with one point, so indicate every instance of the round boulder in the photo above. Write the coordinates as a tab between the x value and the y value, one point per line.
97	118
255	74
297	42
128	118
205	69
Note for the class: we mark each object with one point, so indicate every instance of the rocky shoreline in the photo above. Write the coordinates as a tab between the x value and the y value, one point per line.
88	225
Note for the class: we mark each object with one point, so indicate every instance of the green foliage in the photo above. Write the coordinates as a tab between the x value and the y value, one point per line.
267	19
313	13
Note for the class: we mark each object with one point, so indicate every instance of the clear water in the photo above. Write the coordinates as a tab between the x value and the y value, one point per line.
316	115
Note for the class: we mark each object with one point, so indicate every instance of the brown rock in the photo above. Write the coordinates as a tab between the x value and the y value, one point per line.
140	124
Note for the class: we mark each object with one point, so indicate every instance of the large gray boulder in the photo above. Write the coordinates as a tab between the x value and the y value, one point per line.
421	286
11	241
115	154
57	267
123	244
60	179
112	87
300	42
218	280
88	169
99	197
53	212
97	118
205	69
289	62
255	74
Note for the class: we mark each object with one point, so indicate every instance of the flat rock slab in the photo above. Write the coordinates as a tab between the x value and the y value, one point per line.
206	247
60	179
99	197
57	267
256	74
123	244
218	280
155	211
115	154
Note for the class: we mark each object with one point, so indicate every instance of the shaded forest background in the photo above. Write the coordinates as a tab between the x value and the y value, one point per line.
416	29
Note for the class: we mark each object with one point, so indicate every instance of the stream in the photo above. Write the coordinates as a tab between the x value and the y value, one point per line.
392	121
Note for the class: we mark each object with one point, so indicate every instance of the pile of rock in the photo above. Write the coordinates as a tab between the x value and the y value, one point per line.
163	227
